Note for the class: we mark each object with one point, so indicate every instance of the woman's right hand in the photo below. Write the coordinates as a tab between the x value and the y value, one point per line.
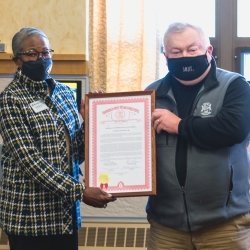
96	197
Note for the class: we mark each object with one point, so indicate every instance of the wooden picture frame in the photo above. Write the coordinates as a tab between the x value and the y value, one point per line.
120	143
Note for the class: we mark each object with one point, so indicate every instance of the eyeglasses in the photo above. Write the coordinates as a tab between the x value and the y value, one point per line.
36	54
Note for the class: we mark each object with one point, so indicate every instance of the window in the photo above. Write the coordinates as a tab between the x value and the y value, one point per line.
243	59
171	11
245	64
242	18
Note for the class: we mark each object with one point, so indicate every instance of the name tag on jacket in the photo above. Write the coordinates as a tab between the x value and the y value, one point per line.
38	106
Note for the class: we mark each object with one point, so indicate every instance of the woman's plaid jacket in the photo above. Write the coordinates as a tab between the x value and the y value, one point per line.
39	187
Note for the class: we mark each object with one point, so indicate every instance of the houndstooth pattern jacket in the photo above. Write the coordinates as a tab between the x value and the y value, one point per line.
38	190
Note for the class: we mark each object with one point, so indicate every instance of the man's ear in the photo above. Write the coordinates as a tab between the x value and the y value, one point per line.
210	49
210	53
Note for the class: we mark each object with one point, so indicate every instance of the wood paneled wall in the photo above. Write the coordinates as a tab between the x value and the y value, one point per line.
72	64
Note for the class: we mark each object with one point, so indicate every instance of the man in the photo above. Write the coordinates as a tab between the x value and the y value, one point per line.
43	139
202	122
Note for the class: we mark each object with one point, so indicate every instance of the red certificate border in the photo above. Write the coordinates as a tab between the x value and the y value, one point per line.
149	187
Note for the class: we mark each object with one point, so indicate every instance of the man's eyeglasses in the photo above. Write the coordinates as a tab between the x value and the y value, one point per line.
36	54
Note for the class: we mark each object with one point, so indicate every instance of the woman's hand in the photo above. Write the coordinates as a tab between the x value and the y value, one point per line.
82	105
96	197
82	108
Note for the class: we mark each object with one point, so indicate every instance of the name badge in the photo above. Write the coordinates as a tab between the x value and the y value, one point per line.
38	106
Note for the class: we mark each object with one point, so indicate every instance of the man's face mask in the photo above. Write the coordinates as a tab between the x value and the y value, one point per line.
37	70
187	68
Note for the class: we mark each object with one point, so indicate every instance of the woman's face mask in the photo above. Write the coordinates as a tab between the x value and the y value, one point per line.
187	68
37	70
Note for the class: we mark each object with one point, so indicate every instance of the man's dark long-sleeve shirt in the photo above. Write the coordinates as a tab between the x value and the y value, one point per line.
227	128
230	126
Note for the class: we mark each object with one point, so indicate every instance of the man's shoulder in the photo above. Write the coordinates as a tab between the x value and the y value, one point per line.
154	85
226	75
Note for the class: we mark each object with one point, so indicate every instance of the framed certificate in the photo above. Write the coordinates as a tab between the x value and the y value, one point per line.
120	143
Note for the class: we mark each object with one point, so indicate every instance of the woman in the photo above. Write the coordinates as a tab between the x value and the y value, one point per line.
43	146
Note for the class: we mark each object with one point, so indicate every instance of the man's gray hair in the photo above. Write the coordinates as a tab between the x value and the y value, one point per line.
179	27
21	35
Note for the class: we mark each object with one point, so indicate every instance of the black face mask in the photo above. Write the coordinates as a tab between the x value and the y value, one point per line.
37	70
187	68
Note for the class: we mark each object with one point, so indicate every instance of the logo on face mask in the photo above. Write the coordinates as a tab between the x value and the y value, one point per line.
37	70
187	68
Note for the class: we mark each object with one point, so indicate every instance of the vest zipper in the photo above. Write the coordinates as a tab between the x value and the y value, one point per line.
230	187
185	205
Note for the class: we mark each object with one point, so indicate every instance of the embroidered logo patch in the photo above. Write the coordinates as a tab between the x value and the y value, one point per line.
206	108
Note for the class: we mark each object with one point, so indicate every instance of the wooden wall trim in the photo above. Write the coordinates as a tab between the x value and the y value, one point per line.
63	64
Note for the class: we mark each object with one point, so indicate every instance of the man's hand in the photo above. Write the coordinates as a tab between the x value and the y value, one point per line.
163	119
96	197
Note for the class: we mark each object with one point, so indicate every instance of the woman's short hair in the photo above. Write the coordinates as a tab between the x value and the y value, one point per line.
21	35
